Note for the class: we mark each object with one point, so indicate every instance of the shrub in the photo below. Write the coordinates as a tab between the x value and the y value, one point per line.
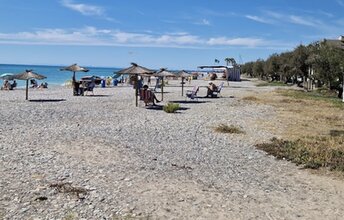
171	107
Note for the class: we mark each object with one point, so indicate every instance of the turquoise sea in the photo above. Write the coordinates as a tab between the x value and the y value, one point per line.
55	77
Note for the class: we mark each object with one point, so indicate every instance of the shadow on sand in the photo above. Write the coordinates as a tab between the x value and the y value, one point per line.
188	101
97	95
160	108
47	100
159	92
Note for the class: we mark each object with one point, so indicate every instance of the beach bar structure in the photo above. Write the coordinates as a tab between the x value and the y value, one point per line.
232	72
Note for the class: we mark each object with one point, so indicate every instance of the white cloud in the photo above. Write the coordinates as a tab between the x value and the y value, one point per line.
340	2
84	8
259	19
165	39
246	42
85	36
204	22
302	21
280	18
91	36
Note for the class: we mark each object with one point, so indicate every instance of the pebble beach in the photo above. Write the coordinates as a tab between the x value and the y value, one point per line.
101	157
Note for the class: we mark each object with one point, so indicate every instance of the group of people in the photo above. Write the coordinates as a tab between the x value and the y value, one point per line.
9	86
148	96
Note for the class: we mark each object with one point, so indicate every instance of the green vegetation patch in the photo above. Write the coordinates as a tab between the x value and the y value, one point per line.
222	128
317	95
274	83
311	153
171	107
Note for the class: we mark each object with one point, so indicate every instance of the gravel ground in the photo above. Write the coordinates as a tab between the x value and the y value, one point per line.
100	157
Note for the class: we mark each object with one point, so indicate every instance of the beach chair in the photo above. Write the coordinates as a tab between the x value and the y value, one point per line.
147	96
219	88
192	94
89	86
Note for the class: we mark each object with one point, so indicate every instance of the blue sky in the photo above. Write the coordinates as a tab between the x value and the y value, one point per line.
176	34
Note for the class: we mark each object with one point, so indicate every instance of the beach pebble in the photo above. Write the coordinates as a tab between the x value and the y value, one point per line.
111	158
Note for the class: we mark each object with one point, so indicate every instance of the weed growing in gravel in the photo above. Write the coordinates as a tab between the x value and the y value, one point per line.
222	128
171	107
250	98
70	216
68	188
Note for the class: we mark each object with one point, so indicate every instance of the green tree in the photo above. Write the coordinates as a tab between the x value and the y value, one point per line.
231	61
247	69
300	67
258	69
272	67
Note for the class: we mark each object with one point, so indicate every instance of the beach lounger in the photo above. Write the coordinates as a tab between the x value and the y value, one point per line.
192	94
88	87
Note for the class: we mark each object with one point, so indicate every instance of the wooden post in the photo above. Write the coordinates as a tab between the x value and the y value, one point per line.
136	89
27	89
182	86
162	88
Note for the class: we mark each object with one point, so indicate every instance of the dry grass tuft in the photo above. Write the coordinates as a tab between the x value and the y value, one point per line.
222	128
250	98
65	187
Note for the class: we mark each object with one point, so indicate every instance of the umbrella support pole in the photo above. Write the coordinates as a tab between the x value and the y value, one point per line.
27	89
162	88
182	86
136	90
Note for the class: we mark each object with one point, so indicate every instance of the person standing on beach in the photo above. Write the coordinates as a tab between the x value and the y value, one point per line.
149	81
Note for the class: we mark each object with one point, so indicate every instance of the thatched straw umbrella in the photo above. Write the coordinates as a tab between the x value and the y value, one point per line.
135	70
74	68
183	74
163	73
27	75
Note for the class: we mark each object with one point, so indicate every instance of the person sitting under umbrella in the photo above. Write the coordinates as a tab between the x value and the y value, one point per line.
43	85
6	85
13	85
147	95
33	83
